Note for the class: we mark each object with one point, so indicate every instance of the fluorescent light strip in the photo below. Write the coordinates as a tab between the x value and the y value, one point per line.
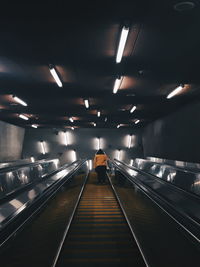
86	101
66	139
90	164
99	143
129	141
55	76
118	154
122	43
137	121
133	109
117	85
43	147
20	101
23	117
71	119
119	125
175	91
98	114
131	162
74	155
34	126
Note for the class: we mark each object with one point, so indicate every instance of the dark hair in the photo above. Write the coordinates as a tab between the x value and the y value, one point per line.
99	152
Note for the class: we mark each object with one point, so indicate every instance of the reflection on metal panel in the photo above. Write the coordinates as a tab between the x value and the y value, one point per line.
185	179
11	181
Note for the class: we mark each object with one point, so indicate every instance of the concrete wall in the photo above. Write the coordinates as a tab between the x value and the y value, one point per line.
176	136
83	141
11	142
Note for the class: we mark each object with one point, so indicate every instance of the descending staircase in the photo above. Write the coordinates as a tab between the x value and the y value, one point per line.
99	234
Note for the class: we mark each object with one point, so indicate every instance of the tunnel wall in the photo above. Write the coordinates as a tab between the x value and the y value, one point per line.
176	136
83	141
11	142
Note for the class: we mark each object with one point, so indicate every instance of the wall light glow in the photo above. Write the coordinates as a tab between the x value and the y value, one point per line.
90	164
42	143
129	141
73	155
98	143
65	138
119	154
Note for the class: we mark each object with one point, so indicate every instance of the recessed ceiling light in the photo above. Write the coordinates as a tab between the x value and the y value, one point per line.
176	91
137	121
23	117
184	6
20	101
86	101
117	85
55	75
94	124
34	126
133	109
122	43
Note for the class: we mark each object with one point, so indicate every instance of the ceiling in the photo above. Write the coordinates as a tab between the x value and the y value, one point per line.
81	41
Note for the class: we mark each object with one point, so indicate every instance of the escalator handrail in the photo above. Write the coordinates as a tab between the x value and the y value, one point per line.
151	194
21	166
46	196
69	223
23	188
174	186
128	222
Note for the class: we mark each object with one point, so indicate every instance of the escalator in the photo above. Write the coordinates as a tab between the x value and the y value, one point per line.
99	233
87	224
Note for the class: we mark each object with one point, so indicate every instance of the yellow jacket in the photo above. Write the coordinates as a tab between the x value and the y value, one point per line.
100	160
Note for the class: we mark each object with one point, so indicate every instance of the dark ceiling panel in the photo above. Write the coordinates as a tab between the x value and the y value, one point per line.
81	40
